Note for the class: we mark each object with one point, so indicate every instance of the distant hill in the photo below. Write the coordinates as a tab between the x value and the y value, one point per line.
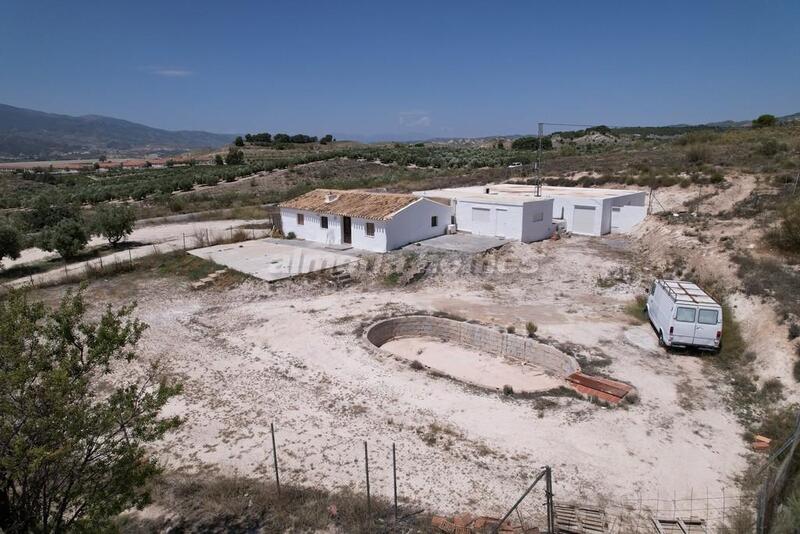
29	134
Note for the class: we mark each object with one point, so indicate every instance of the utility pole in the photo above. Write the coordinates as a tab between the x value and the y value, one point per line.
537	170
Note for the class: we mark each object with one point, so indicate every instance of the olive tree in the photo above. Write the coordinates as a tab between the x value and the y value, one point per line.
67	237
72	440
10	242
114	222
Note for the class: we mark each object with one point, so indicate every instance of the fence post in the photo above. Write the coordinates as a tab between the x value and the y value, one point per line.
366	467
275	458
551	526
130	257
394	477
184	241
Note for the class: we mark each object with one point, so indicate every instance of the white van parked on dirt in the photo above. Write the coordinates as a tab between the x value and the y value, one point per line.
684	315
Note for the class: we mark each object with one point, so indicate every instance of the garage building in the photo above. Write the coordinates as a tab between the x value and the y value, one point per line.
582	210
364	220
516	217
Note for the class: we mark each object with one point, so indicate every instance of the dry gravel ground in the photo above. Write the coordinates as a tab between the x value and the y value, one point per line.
292	354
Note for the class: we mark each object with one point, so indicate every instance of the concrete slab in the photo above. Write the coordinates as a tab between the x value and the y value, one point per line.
272	260
460	243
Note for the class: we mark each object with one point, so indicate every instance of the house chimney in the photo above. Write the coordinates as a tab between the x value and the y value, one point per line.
487	190
330	197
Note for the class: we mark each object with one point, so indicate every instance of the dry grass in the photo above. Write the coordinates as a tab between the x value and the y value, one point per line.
197	503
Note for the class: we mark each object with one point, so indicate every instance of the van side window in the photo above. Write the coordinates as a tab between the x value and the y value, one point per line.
685	315
707	316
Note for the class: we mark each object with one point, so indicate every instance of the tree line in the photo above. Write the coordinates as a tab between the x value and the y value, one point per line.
267	139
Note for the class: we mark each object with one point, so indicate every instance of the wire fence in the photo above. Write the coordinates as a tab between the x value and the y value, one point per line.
127	257
370	466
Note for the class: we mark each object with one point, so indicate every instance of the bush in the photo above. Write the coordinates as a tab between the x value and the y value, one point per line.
531	143
787	234
511	329
416	365
698	155
238	141
770	147
234	156
531	327
508	390
765	121
794	331
10	242
291	235
218	160
114	222
68	237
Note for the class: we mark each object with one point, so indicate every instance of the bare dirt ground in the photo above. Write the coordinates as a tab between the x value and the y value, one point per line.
292	354
472	366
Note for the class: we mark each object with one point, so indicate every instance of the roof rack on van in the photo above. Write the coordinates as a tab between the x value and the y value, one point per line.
686	291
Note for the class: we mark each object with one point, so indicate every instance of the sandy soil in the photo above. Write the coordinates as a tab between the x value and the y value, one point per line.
472	366
292	354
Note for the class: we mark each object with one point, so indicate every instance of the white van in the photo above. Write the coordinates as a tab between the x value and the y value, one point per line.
684	315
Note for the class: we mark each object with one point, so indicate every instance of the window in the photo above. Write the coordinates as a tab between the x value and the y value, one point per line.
301	220
369	229
538	217
452	219
707	316
434	221
685	315
480	215
323	222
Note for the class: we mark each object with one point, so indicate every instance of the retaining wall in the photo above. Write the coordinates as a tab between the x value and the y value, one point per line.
476	336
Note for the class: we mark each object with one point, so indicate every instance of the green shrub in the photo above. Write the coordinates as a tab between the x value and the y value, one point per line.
698	154
508	390
114	222
531	328
68	238
511	329
10	242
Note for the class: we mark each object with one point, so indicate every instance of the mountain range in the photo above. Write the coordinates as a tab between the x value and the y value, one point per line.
26	134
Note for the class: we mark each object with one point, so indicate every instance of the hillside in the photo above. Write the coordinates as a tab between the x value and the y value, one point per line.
29	134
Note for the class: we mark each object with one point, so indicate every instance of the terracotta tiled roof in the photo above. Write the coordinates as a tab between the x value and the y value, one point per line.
361	204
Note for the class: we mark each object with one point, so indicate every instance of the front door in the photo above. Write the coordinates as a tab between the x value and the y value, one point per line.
347	231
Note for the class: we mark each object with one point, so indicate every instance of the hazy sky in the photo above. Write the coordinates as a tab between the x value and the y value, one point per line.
442	68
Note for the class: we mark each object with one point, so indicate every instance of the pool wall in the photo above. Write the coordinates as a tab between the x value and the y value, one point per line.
476	336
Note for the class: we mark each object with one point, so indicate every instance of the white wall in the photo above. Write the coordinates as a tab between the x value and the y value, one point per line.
603	207
507	220
627	217
311	230
465	221
410	224
414	223
375	243
533	229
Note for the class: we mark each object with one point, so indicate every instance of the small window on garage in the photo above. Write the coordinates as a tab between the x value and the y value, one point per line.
452	219
538	217
369	229
323	222
434	221
301	219
685	315
616	209
480	214
707	316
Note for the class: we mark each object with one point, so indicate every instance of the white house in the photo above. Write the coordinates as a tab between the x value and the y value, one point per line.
583	210
515	217
371	221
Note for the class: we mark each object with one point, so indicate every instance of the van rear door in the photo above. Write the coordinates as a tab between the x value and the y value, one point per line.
683	325
708	324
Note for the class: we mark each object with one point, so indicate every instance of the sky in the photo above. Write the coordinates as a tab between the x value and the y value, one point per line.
365	69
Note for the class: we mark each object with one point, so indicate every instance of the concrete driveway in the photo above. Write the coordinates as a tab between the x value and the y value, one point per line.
276	259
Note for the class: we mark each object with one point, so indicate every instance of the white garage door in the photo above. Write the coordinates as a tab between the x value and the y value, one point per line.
583	220
482	221
503	226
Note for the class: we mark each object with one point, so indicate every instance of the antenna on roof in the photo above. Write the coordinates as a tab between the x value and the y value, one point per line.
538	166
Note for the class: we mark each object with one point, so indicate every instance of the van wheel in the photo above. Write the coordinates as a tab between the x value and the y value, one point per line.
661	339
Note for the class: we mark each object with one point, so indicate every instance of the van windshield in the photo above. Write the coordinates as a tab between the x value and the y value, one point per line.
708	316
685	315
